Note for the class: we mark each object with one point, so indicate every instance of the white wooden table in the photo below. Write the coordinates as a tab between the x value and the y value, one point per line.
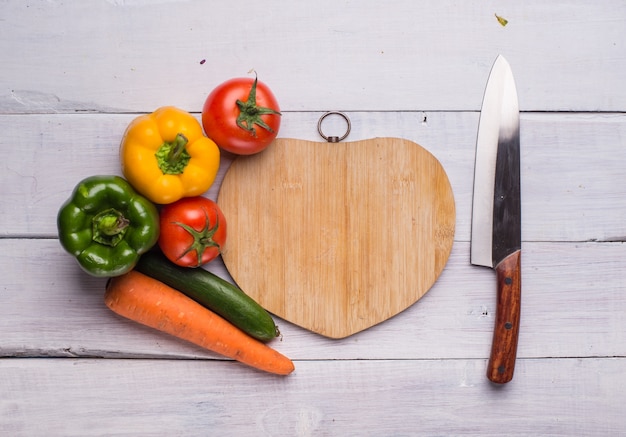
73	74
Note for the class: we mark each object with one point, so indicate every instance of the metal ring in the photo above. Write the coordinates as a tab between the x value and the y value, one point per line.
333	139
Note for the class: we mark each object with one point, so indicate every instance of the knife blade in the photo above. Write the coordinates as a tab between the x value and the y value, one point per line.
496	212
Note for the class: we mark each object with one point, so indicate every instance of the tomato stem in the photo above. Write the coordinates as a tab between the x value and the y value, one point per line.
202	239
250	114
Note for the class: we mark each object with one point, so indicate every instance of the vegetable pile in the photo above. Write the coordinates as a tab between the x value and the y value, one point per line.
152	231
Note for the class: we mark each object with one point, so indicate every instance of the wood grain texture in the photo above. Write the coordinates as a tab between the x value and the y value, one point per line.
85	397
76	73
49	307
337	237
501	364
567	55
572	165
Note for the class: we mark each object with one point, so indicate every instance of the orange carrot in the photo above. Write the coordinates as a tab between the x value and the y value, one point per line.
152	303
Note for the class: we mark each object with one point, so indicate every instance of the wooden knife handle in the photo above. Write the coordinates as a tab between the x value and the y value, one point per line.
506	329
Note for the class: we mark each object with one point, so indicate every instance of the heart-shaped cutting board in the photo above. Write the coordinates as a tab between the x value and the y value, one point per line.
337	237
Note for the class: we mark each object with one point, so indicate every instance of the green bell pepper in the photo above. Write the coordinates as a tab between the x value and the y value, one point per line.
106	225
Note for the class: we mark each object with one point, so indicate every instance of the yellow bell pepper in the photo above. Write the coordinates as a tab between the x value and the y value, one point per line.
165	156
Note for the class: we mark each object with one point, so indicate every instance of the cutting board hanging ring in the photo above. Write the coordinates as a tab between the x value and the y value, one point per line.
334	236
334	139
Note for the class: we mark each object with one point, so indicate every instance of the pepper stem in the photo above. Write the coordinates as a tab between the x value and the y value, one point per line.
109	227
173	157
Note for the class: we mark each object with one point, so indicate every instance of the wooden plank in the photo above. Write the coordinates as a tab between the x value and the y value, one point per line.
572	306
573	183
82	397
133	56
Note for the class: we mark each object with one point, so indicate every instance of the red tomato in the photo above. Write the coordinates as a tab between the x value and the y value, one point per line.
242	116
193	231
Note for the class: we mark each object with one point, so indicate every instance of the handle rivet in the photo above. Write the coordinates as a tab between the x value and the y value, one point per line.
508	281
508	325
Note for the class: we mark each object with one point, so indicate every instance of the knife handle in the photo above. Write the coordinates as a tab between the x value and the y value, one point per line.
506	329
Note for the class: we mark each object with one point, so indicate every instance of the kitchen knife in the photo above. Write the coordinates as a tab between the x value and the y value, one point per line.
496	219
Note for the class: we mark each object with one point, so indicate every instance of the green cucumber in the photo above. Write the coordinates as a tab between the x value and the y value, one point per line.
212	292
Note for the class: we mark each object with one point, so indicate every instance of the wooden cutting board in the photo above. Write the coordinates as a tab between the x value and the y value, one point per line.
337	237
